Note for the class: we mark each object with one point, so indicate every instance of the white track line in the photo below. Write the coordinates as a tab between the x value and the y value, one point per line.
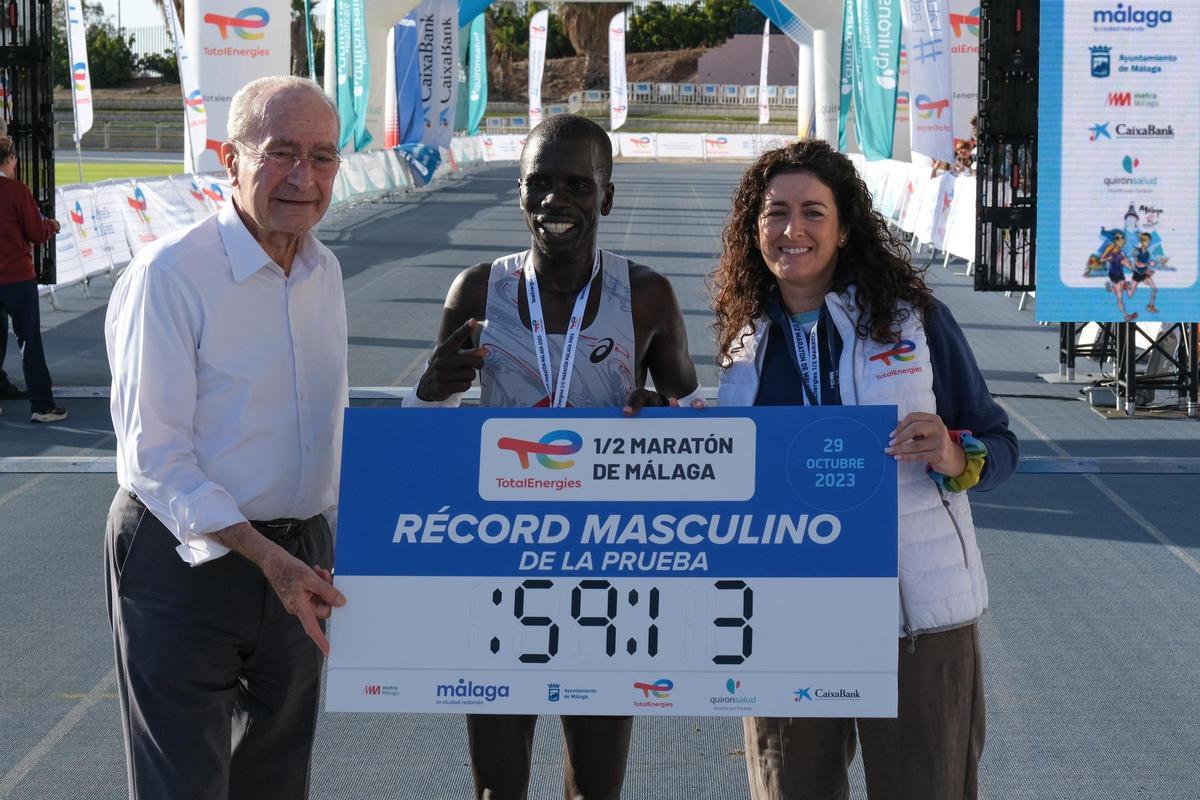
64	726
1115	498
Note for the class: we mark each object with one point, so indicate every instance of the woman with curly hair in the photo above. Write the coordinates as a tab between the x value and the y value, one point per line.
817	303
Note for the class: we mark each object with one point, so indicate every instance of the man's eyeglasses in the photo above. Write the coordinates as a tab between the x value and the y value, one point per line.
282	162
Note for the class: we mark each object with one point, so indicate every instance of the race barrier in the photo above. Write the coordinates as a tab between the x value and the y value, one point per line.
937	210
104	225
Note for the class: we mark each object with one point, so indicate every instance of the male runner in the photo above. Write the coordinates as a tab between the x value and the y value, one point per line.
1142	272
533	351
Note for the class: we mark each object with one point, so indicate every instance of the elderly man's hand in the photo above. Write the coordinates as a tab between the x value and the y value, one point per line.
307	592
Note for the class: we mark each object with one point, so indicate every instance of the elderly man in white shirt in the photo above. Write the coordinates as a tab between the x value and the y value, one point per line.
227	343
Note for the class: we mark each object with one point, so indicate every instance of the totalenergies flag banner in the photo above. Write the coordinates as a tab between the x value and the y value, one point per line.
539	26
195	116
964	64
764	106
871	35
1118	162
927	34
232	43
618	88
81	76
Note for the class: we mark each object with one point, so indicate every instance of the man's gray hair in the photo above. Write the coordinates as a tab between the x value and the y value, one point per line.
248	107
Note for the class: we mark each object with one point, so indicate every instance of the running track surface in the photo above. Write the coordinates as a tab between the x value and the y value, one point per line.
1091	645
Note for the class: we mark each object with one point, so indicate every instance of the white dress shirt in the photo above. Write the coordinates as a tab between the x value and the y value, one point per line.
229	381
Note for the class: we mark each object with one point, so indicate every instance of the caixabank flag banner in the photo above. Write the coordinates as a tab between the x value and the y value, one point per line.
1119	162
233	42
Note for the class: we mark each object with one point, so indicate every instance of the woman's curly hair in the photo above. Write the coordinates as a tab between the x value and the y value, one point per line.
873	260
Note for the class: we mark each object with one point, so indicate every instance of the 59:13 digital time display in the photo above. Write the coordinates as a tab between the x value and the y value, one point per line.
597	620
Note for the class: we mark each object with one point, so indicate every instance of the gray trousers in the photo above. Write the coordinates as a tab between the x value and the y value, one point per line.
929	752
218	684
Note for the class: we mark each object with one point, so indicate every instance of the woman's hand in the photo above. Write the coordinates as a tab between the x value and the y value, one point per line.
922	437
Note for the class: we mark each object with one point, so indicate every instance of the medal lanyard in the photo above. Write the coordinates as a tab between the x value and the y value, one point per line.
541	345
807	356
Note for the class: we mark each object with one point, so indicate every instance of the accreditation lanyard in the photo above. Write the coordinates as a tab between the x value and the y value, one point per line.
541	345
807	356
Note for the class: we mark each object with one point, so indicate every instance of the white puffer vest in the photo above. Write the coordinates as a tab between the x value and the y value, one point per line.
942	584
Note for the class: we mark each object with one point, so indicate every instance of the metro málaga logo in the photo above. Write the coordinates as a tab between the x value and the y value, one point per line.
247	23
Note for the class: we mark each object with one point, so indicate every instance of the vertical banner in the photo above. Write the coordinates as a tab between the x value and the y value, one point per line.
876	27
391	119
846	81
195	118
81	76
1118	162
353	72
804	91
901	132
477	77
538	27
233	43
964	64
447	70
927	32
618	89
764	107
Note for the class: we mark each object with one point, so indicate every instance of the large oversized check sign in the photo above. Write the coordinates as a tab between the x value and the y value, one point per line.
577	562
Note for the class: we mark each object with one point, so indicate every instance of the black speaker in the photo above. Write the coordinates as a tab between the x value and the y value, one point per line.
1006	203
25	63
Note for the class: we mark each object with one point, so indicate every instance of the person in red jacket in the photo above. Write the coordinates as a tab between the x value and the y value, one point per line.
21	226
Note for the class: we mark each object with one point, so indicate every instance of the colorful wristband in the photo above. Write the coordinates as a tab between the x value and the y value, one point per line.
976	452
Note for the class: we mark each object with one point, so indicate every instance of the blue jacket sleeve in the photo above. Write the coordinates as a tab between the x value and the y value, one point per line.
963	399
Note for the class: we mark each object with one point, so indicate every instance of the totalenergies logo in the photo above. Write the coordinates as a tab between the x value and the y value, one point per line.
197	195
214	192
968	22
555	443
716	142
76	215
537	28
80	76
926	106
640	143
902	101
901	352
617	32
195	102
138	204
661	688
247	23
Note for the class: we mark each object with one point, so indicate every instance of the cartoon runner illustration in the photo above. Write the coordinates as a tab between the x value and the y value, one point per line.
1116	261
1142	272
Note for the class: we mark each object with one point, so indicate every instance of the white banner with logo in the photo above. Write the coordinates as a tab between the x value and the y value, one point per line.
165	208
503	147
539	26
637	145
79	206
233	43
81	76
68	262
679	145
764	107
729	145
110	199
137	217
191	193
195	117
964	64
618	88
927	33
